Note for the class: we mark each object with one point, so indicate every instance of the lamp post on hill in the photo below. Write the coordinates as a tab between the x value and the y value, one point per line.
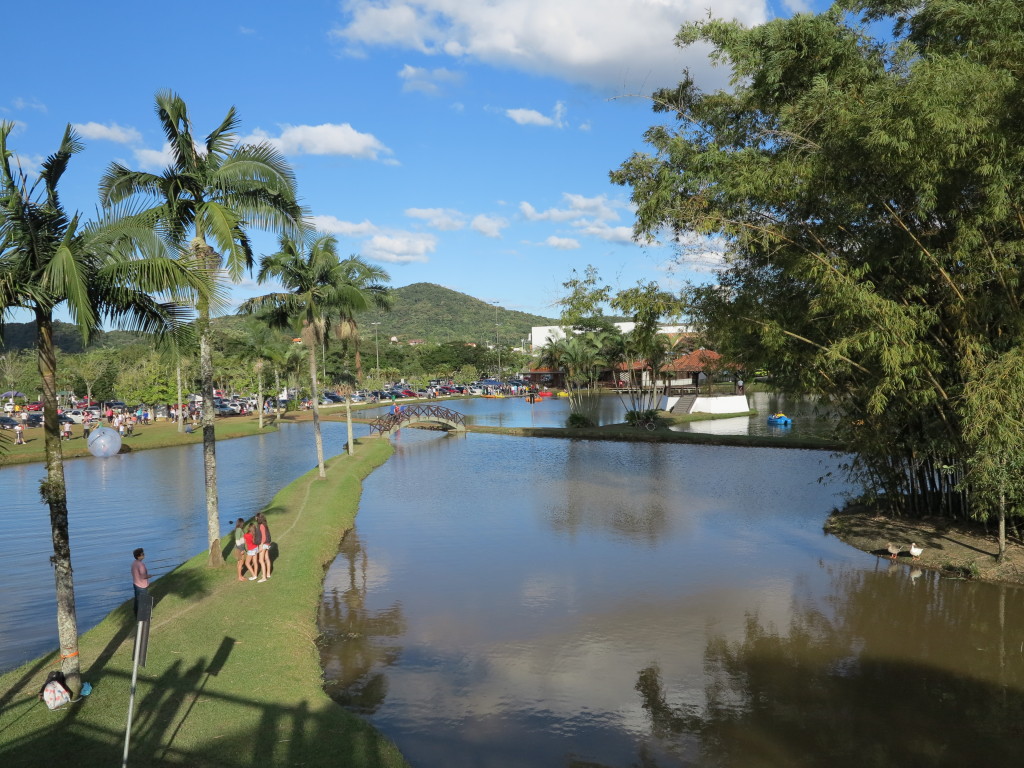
497	344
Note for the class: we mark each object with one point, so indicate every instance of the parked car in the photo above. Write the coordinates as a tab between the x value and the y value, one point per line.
410	393
333	397
34	420
224	410
78	414
6	422
34	407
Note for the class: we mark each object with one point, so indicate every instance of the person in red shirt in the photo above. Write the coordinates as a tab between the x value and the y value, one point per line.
251	550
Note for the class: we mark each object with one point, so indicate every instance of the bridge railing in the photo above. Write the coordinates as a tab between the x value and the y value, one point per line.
416	413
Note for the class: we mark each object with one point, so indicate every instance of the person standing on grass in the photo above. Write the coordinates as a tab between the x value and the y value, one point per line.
19	434
140	578
240	547
251	551
264	546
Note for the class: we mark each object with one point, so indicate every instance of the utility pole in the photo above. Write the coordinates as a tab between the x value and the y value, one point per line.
497	344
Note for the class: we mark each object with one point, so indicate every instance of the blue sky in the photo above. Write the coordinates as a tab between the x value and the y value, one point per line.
458	142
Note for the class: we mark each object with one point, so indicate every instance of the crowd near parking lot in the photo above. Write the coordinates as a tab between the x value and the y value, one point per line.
87	414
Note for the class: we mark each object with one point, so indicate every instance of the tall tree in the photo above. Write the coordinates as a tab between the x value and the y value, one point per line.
209	195
868	196
316	296
370	282
109	269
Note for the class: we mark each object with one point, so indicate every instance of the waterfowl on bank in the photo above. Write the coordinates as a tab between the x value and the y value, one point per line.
894	549
915	551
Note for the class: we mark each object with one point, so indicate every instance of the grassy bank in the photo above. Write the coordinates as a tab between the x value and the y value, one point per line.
161	434
233	677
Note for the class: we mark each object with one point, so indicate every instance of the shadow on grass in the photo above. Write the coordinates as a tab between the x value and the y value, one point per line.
179	721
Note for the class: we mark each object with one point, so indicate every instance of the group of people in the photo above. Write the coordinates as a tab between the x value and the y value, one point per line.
252	548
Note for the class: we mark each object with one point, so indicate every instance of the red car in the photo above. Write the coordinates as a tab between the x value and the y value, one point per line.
408	393
34	407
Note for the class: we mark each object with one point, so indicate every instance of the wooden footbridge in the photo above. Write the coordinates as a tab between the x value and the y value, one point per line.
408	415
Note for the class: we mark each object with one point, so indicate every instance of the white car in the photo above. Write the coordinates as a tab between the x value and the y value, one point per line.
78	414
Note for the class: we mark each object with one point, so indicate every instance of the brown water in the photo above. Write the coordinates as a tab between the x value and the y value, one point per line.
514	602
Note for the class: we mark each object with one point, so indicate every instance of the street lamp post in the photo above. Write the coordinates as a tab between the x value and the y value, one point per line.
497	344
376	346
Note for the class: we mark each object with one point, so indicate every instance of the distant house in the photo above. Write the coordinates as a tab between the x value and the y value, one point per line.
683	371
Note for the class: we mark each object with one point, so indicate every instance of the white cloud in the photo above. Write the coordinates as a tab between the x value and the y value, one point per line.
33	103
112	132
29	165
490	226
562	243
601	230
325	139
444	219
428	81
331	225
533	117
598	208
616	45
154	159
400	247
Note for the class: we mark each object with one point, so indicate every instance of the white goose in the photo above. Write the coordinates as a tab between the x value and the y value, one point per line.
915	551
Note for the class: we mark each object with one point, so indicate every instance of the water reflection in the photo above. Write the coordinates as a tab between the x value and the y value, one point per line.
889	677
357	644
558	602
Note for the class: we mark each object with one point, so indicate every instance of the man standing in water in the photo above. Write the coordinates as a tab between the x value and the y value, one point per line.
140	578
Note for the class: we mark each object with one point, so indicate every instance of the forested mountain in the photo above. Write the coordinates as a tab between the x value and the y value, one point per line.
434	313
419	311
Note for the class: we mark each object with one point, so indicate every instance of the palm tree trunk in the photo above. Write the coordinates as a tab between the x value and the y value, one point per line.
316	410
348	421
277	396
359	360
180	416
259	390
54	493
209	438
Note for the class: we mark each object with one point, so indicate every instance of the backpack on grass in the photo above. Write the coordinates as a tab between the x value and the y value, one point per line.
55	691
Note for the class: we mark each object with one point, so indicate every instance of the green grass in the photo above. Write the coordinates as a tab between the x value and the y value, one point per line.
233	677
162	434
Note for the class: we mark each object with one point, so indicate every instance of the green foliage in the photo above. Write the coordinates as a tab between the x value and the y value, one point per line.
868	196
579	421
436	314
641	418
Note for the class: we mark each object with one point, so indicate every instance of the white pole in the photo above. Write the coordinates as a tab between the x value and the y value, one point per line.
131	697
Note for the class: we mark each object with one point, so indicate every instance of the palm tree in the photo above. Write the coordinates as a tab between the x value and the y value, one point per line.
109	269
214	193
260	346
368	280
316	295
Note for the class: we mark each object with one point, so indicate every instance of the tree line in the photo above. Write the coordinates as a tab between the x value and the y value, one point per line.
865	194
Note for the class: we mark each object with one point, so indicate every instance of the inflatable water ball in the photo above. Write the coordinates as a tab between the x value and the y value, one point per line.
104	442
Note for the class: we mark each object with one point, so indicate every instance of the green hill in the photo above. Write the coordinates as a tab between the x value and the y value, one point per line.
419	311
434	313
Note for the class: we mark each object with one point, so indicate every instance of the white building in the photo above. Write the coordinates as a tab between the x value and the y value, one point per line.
542	334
